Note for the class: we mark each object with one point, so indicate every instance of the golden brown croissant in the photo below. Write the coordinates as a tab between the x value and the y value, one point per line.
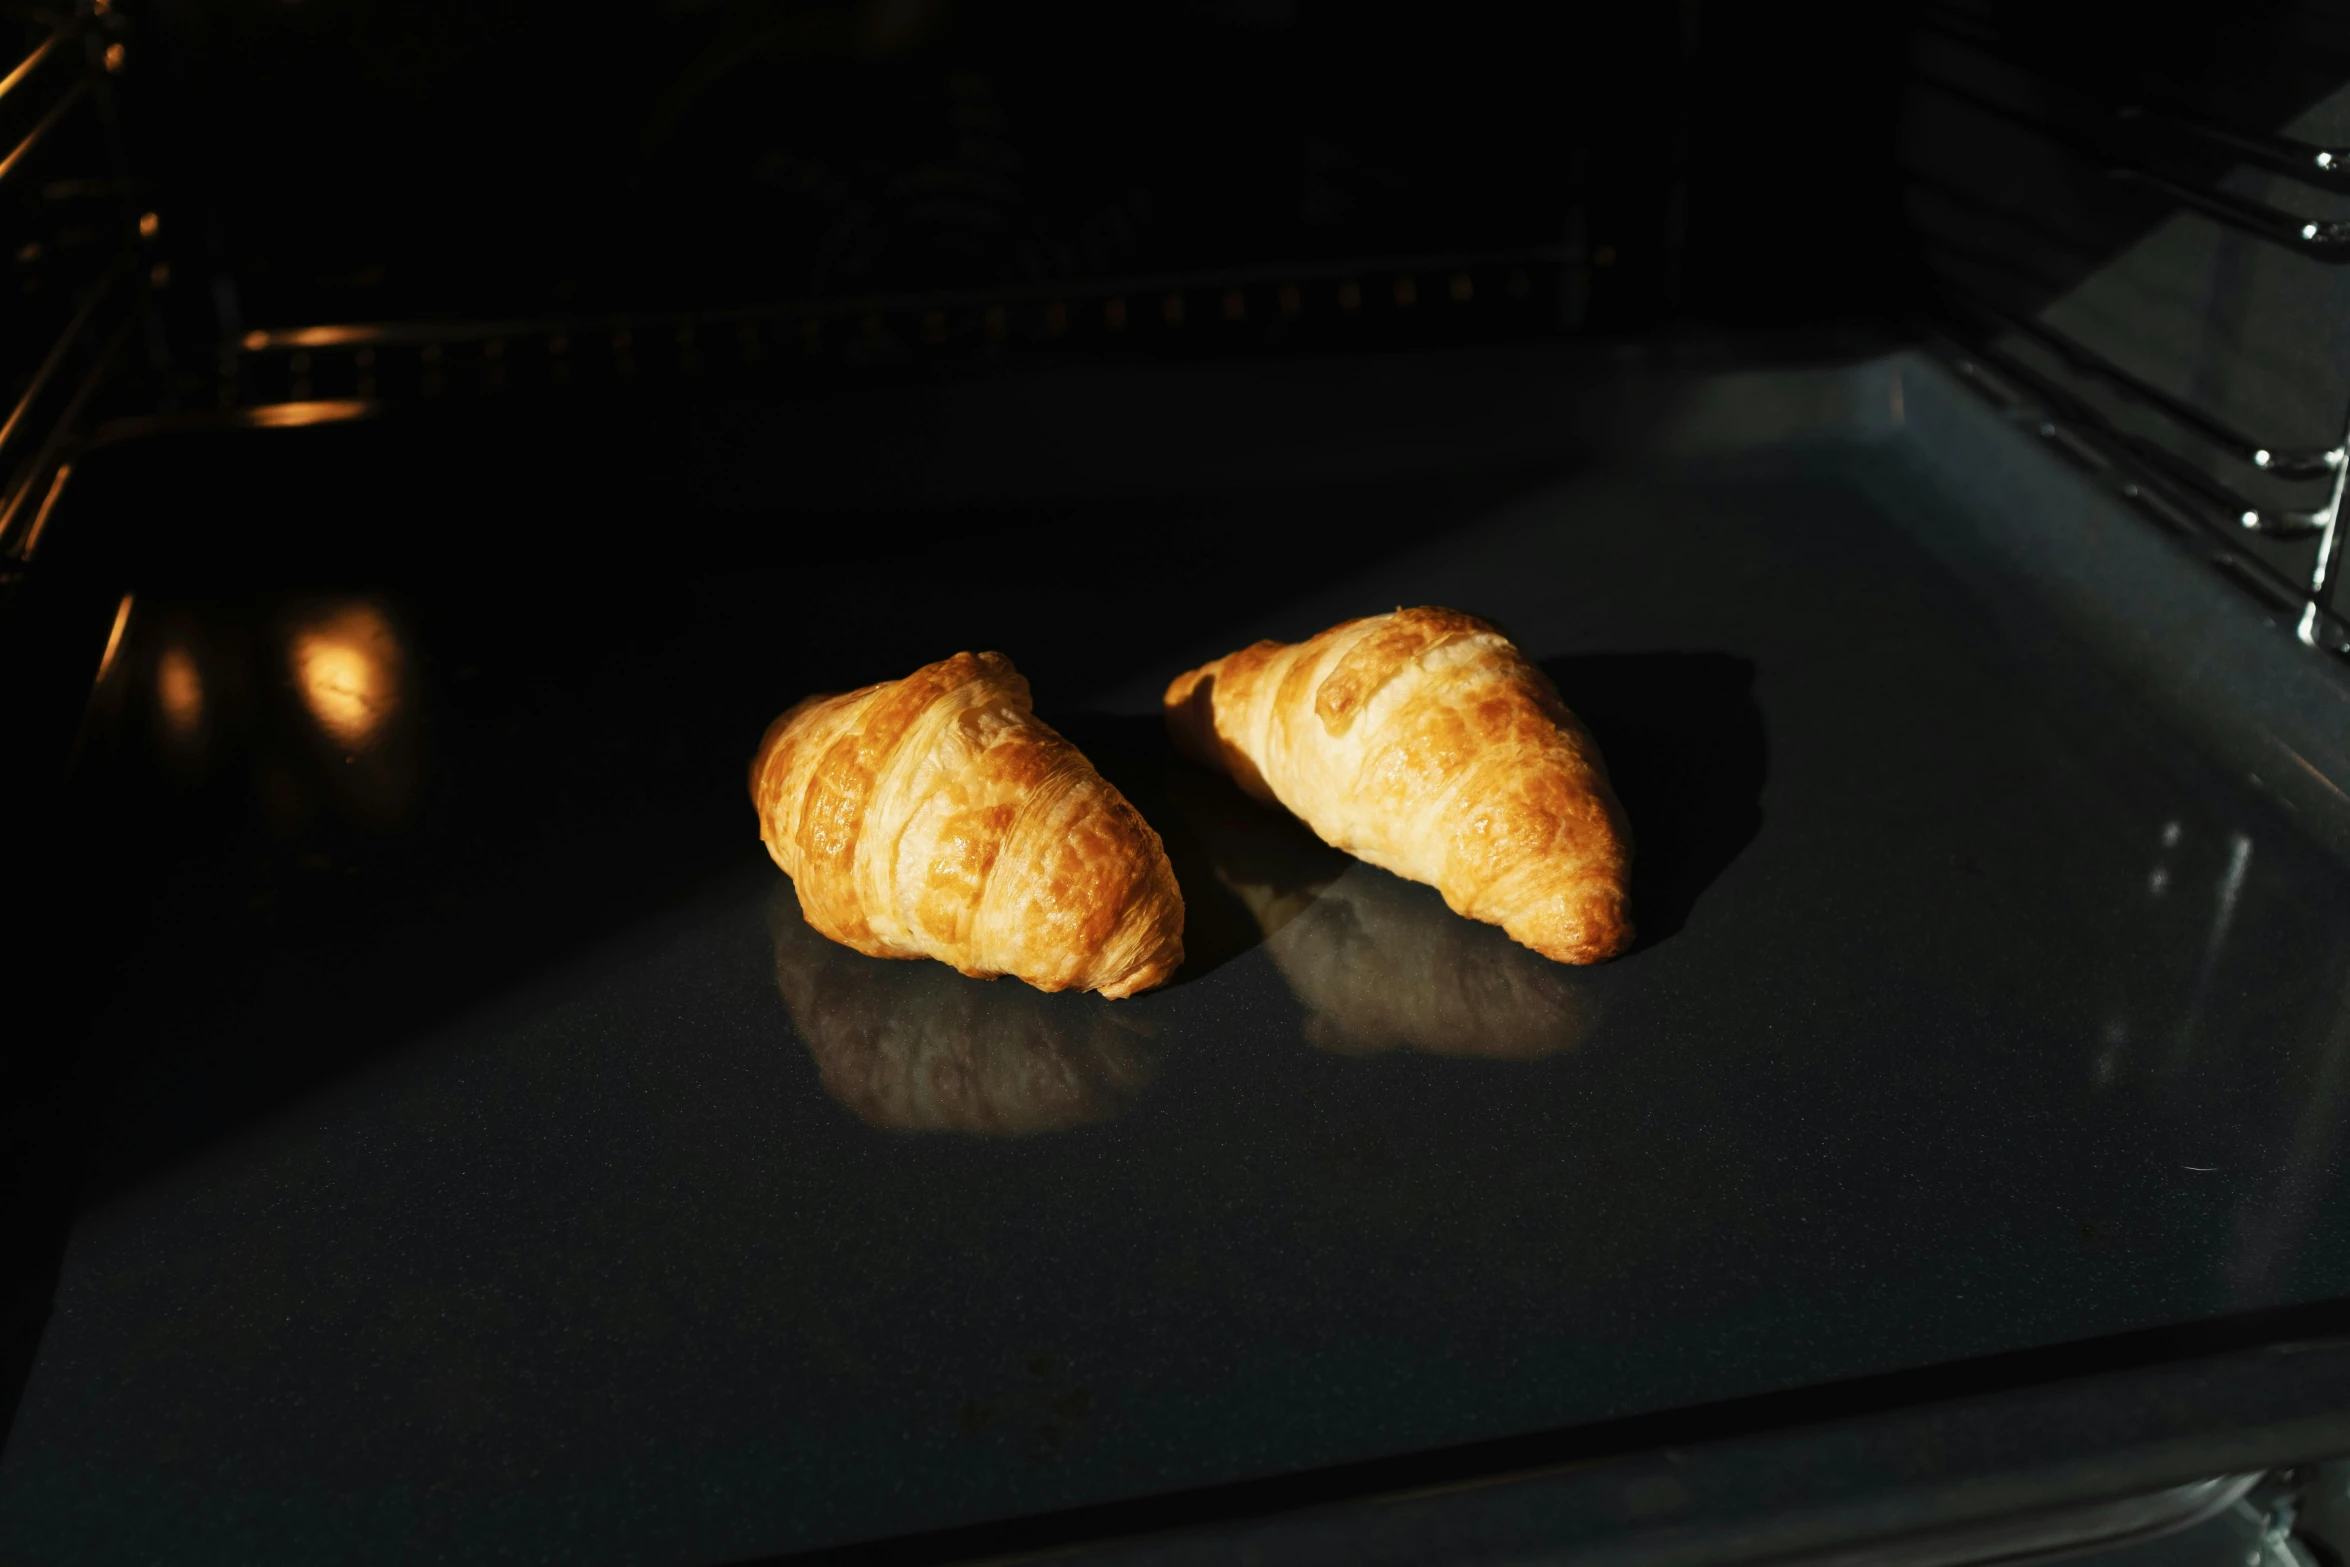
1378	963
911	1048
1425	743
937	817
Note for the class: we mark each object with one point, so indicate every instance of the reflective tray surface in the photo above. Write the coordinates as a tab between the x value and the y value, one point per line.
492	1164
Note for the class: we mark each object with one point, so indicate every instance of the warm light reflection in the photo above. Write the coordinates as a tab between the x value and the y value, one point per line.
32	538
179	693
325	336
122	619
347	667
356	335
278	416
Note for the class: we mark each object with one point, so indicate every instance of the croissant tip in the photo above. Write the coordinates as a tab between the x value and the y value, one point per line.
1585	948
1148	976
1132	985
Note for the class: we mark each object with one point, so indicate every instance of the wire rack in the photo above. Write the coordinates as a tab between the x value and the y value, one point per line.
2263	504
78	236
2263	507
1270	307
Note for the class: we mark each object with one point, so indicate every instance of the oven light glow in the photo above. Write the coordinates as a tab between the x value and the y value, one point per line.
179	693
283	416
347	670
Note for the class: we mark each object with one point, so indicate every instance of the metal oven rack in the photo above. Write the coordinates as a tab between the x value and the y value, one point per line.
2191	473
305	369
332	373
335	373
344	370
79	240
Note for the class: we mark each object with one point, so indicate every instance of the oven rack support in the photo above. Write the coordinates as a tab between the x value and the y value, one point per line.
63	79
2173	494
2152	476
2216	504
336	371
2110	138
2327	167
330	373
2326	240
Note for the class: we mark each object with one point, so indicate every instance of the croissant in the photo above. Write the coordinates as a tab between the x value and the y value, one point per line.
1378	963
1425	743
938	817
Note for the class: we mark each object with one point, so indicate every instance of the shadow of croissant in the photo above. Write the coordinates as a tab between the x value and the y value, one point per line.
1380	963
913	1046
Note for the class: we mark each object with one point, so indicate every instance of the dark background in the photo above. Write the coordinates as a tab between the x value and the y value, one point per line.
383	159
1684	166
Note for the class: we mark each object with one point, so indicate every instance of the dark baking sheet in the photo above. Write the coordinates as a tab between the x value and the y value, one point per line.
485	1162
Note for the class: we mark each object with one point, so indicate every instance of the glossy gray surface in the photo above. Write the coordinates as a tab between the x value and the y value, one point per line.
1974	1012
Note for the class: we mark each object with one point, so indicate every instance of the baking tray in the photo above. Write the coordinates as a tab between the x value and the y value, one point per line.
477	1158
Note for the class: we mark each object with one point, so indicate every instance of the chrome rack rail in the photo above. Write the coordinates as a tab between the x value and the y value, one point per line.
328	373
2327	239
2157	479
2179	493
59	91
2325	166
2116	148
2284	462
2183	500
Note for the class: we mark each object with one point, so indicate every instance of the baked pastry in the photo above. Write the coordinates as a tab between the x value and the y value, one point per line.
1378	963
909	1047
1425	742
938	817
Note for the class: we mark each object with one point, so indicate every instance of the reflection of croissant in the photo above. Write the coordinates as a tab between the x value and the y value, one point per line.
1425	743
936	816
913	1048
1379	963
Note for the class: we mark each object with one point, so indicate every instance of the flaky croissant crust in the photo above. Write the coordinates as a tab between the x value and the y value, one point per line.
938	817
1424	742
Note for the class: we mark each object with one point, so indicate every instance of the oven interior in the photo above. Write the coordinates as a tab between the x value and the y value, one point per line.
443	438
